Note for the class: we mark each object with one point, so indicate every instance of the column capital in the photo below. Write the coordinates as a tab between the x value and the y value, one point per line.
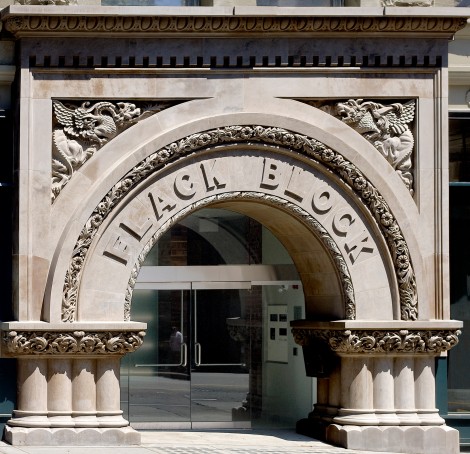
390	338
39	339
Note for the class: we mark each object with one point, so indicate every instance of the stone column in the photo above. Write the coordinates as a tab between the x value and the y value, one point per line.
59	393
384	403
405	406
387	384
356	392
425	391
108	405
68	381
32	395
84	392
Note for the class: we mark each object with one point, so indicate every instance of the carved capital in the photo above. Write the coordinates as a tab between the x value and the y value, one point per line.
19	343
431	342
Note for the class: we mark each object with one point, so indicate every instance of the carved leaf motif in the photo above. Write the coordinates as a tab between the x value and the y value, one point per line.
78	342
332	160
403	341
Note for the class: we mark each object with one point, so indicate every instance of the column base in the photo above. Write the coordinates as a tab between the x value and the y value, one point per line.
402	439
22	436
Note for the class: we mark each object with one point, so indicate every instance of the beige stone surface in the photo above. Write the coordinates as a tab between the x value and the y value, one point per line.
240	79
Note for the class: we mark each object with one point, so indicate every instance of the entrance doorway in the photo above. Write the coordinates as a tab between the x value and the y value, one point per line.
218	351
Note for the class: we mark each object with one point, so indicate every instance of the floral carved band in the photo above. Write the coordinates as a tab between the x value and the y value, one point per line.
71	343
345	170
374	341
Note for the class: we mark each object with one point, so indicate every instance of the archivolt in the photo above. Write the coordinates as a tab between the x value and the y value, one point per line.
279	137
299	213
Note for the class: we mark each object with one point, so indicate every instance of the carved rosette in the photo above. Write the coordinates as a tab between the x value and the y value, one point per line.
246	135
403	341
17	343
80	131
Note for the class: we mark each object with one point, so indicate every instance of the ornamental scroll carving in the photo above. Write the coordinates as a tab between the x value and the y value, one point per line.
80	131
362	341
387	127
246	135
75	342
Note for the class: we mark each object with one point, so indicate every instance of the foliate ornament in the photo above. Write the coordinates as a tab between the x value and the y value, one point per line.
375	341
246	135
46	2
80	131
74	342
387	127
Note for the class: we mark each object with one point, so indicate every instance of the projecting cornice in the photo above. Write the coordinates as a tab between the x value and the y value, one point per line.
204	21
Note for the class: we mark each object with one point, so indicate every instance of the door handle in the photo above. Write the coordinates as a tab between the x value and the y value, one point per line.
184	354
197	349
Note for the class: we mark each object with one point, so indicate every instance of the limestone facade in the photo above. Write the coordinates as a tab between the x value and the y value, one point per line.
326	126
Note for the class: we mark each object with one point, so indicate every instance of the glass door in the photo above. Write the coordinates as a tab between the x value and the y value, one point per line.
220	373
158	374
191	371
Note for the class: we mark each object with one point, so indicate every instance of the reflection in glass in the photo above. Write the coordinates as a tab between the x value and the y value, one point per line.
458	377
208	356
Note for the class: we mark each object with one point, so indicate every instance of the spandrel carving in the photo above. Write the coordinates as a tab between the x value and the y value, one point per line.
80	131
387	127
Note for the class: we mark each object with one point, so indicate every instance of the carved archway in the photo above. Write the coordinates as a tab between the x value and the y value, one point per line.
283	141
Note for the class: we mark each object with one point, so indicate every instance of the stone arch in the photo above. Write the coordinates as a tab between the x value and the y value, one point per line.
282	140
238	201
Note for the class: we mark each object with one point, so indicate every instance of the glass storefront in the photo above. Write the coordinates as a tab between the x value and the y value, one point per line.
218	292
458	379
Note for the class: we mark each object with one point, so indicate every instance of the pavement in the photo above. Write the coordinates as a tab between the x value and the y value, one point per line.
201	442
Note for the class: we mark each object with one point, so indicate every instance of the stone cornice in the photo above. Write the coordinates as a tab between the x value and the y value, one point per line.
213	22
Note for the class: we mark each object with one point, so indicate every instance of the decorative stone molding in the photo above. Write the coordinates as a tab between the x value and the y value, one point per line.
23	23
387	341
407	3
324	237
246	135
46	2
384	126
18	343
80	131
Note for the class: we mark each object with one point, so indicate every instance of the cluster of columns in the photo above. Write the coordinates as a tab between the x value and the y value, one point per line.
65	392
380	390
68	383
376	389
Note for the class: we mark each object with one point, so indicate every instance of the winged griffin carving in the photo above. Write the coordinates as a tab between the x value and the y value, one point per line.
79	132
386	127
